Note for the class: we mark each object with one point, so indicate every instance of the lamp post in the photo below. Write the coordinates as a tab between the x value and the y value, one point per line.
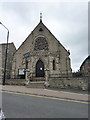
5	64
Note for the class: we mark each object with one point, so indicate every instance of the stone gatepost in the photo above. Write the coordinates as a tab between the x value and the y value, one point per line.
31	75
27	76
46	78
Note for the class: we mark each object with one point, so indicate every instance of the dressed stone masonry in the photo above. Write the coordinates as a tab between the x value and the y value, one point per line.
10	52
42	55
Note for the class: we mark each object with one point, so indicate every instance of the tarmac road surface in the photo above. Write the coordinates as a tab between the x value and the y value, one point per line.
29	106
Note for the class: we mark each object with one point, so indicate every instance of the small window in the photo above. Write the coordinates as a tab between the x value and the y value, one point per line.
26	64
53	64
40	29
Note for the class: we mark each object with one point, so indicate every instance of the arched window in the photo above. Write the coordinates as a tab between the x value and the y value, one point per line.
54	67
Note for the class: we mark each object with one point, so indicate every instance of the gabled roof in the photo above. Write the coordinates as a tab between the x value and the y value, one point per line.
88	58
3	44
47	29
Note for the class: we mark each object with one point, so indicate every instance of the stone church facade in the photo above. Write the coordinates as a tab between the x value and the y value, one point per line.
42	56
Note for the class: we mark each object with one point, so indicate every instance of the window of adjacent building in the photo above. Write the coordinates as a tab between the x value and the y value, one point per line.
54	65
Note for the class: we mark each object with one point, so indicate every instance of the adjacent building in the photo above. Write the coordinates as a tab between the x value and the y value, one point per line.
10	53
85	67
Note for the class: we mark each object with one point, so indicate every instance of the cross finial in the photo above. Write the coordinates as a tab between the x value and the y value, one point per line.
40	17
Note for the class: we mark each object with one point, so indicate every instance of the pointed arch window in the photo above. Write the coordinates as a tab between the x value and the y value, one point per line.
54	66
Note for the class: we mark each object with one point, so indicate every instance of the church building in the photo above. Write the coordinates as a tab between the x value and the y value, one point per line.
42	56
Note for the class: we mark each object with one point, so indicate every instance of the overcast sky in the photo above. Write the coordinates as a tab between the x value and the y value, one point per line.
68	21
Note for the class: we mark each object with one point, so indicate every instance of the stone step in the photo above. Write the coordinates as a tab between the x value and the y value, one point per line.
37	79
39	84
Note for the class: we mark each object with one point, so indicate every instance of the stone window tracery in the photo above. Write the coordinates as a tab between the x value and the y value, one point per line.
41	44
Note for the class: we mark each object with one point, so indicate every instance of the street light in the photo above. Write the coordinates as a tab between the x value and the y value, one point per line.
4	76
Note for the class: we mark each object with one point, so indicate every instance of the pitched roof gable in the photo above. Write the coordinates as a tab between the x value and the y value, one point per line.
41	23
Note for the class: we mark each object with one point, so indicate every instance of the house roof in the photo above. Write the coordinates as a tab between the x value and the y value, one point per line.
88	58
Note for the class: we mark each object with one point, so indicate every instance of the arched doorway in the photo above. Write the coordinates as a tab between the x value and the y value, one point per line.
40	69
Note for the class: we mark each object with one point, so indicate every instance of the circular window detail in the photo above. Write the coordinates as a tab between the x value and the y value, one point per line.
41	44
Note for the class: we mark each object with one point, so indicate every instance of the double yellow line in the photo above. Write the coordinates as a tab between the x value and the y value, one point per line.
41	96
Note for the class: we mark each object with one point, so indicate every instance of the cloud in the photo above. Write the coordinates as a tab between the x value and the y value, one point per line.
68	22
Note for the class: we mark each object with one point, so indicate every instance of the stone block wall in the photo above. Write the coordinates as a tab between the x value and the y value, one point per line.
63	83
71	83
15	82
10	52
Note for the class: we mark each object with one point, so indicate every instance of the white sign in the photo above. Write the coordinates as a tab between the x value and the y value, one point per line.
21	71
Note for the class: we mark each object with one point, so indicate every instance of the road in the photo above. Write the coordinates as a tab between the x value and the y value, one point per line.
25	106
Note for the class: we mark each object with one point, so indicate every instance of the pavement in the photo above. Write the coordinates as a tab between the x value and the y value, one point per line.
46	92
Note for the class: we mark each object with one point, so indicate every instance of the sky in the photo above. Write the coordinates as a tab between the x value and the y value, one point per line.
68	22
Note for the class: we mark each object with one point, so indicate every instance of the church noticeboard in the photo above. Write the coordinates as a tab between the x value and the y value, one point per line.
21	71
26	55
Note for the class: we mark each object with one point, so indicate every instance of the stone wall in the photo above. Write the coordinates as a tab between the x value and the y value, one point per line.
10	52
69	83
63	83
15	82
